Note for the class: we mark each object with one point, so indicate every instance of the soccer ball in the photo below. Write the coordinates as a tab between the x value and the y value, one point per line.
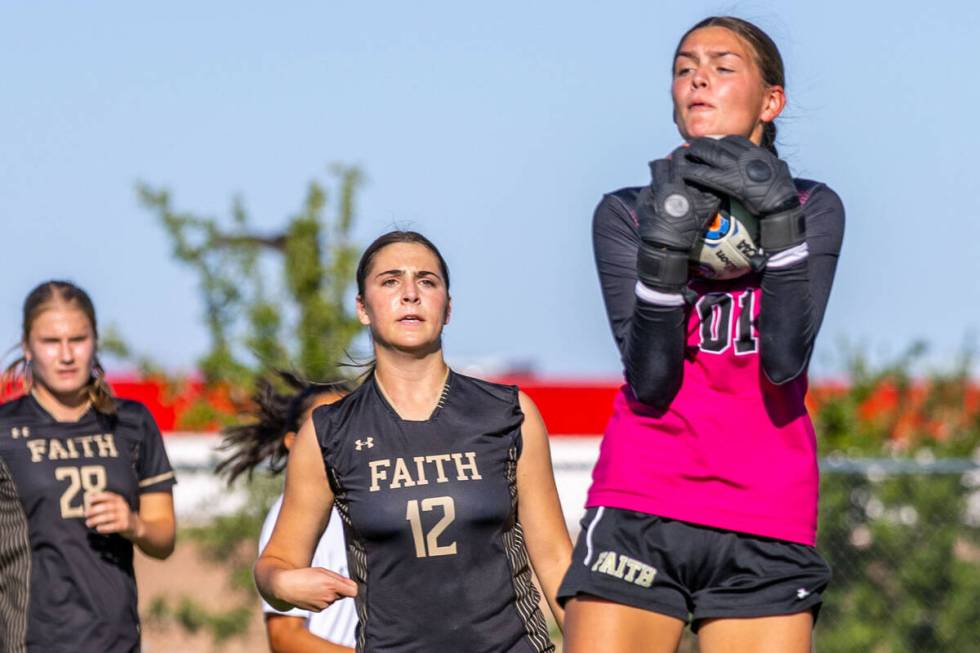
727	247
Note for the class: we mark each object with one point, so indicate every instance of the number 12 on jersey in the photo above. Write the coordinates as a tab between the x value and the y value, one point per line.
427	544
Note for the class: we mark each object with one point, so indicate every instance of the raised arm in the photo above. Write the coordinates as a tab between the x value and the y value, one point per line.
548	544
801	236
794	296
282	573
648	326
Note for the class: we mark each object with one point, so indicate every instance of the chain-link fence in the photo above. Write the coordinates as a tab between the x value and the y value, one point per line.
903	539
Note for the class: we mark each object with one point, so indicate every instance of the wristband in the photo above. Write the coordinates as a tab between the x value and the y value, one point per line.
783	230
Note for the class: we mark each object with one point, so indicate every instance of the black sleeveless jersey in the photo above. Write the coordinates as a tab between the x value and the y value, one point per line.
63	586
430	512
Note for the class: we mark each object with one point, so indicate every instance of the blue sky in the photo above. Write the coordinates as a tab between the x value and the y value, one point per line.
492	128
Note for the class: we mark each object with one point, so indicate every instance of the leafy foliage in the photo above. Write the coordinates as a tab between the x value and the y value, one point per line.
257	320
297	319
193	617
899	531
232	540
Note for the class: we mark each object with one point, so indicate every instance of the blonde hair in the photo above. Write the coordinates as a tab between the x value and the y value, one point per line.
37	301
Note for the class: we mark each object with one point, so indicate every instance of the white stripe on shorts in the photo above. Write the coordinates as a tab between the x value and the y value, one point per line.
588	535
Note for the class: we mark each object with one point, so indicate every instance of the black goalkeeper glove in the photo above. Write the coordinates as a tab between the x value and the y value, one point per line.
757	178
671	215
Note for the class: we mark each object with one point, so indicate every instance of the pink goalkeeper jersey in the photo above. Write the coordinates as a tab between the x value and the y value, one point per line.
733	451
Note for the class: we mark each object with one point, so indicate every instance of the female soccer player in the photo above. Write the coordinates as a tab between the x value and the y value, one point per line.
269	437
83	477
704	499
443	483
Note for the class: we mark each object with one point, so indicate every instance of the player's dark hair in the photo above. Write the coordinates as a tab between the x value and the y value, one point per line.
767	57
382	241
39	300
276	414
391	238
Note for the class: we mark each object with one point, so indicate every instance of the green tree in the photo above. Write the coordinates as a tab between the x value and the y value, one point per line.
270	300
897	529
297	319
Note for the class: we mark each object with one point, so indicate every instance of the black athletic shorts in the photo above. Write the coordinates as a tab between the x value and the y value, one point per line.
688	571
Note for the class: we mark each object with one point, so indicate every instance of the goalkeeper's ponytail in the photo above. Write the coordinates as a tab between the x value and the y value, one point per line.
769	137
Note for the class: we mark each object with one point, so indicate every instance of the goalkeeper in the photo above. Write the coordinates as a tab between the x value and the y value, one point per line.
703	506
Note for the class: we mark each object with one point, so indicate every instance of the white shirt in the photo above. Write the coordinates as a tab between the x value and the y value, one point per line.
337	622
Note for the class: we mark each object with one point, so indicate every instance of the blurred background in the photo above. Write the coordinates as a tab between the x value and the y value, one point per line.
210	172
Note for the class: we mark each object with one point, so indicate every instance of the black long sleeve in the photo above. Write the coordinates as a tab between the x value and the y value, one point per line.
652	338
794	298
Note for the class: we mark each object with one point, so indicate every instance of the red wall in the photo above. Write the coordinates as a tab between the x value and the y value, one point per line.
568	408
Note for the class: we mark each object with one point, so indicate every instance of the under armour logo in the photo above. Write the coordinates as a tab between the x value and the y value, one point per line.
360	444
21	432
802	593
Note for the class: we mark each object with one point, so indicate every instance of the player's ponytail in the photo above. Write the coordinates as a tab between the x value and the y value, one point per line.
15	377
769	137
767	57
99	392
276	413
